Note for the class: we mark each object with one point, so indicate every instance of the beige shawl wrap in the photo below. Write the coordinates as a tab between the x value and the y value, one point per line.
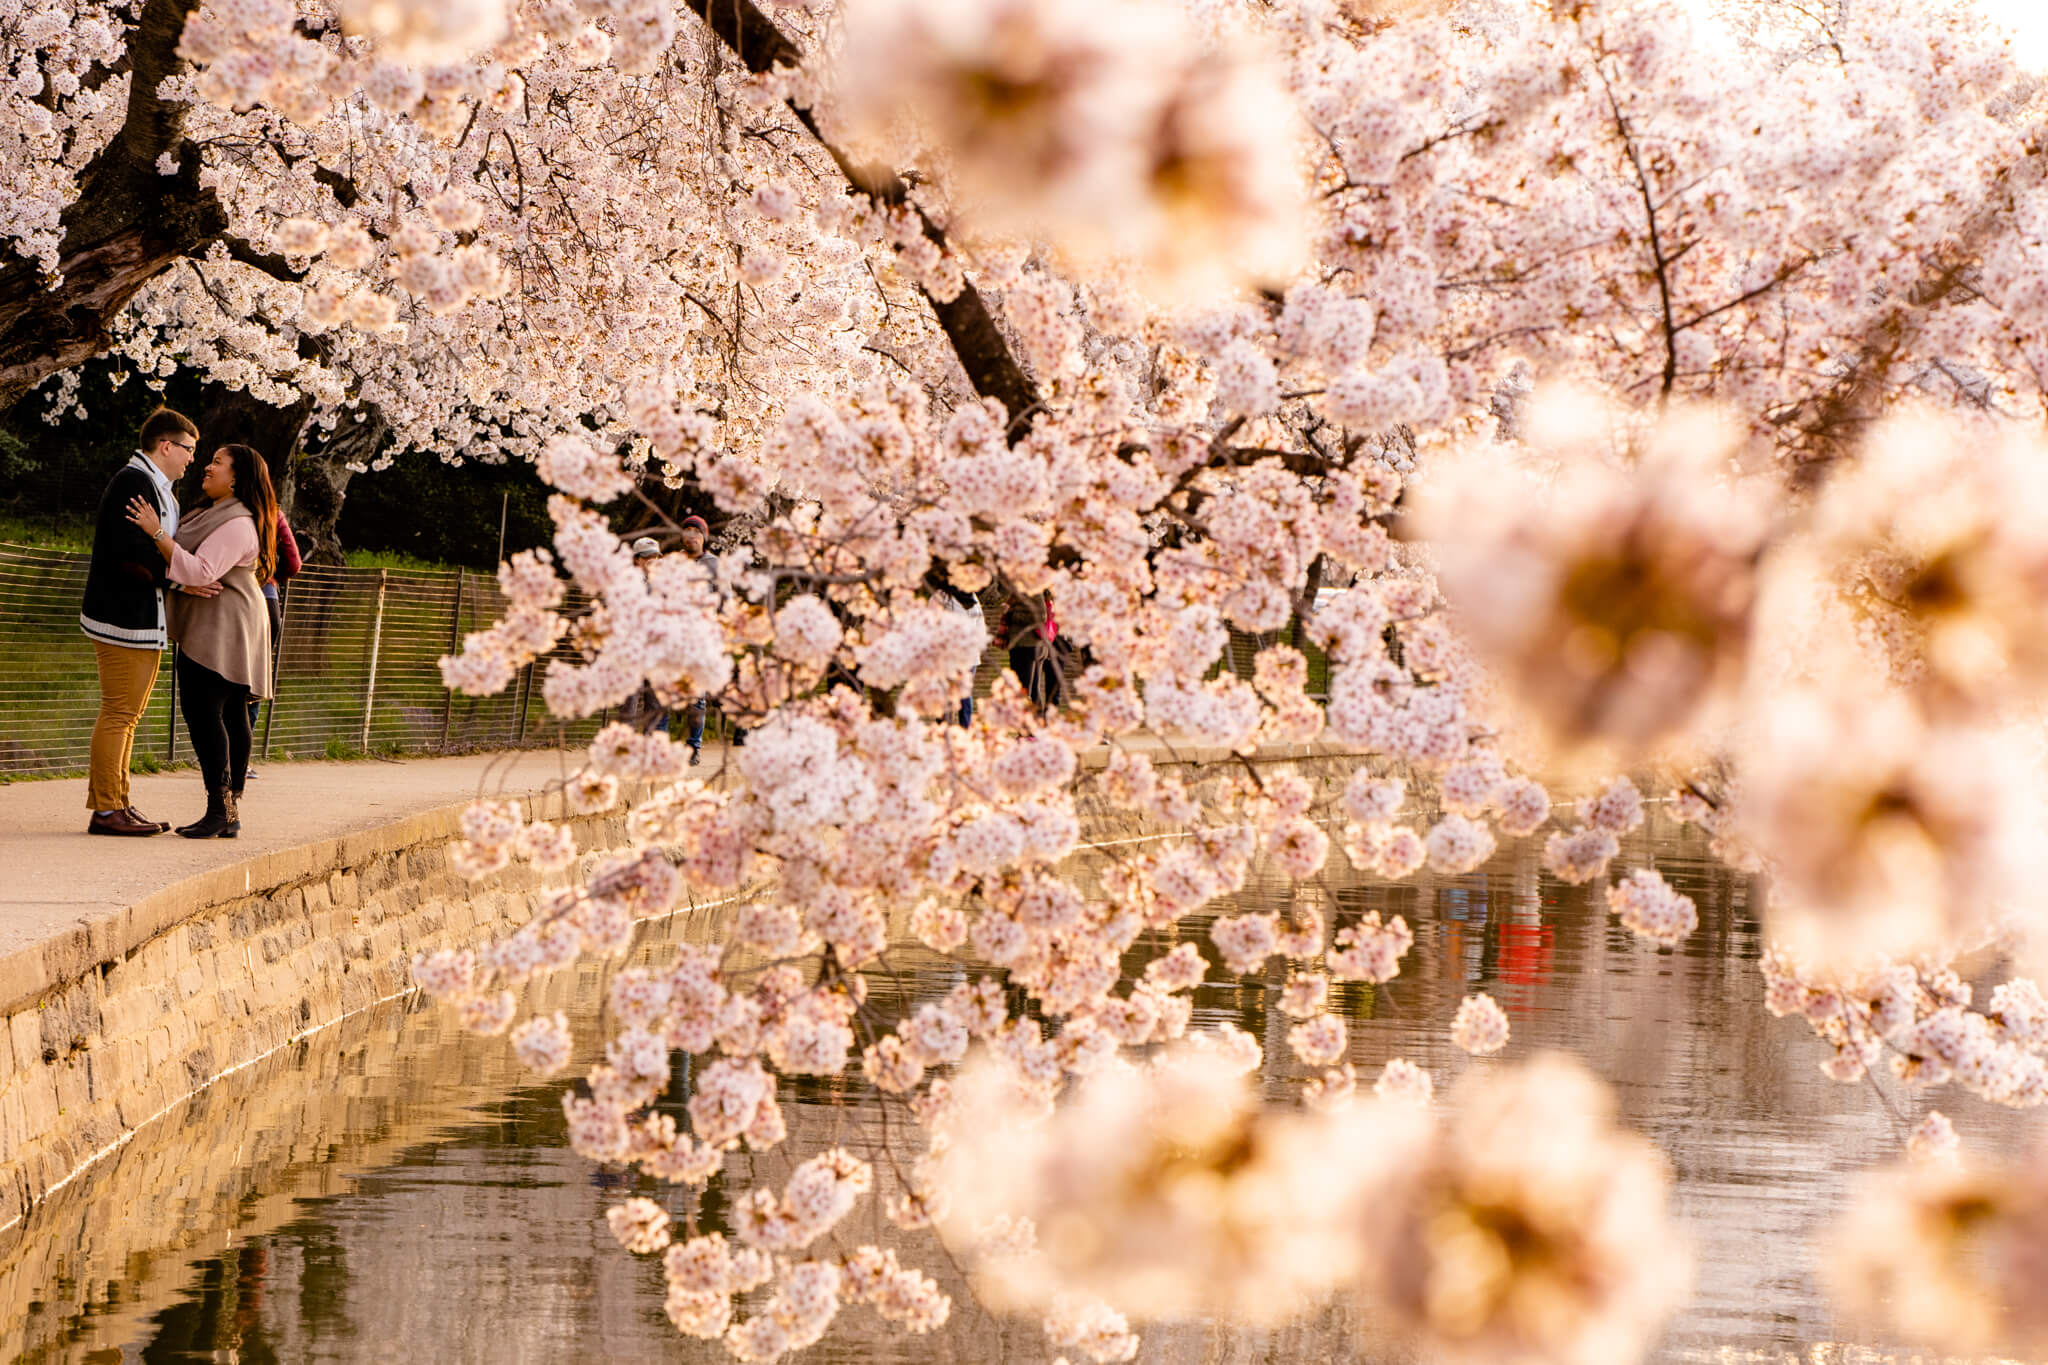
230	633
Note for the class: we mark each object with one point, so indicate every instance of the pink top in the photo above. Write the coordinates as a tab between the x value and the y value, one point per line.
235	543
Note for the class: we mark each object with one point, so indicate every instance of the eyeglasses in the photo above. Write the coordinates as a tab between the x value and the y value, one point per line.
190	449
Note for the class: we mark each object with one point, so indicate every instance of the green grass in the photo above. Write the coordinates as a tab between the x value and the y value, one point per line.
392	559
348	751
144	764
141	765
48	531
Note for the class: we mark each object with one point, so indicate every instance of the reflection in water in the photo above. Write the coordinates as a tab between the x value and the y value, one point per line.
393	1190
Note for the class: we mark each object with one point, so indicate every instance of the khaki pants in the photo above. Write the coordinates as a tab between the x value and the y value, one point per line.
126	677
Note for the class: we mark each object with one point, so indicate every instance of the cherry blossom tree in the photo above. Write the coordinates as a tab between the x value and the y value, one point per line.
1591	388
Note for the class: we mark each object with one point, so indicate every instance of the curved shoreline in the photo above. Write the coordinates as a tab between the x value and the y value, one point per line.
116	1021
109	1024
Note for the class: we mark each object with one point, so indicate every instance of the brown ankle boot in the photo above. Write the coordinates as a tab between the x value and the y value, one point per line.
209	825
233	827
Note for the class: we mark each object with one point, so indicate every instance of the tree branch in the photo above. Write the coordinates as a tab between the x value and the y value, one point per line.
270	264
127	225
1657	257
977	341
340	186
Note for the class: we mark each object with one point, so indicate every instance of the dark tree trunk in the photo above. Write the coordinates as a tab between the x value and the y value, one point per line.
127	225
232	417
318	483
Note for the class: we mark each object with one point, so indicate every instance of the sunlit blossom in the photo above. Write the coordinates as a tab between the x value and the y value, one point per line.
1530	1227
1481	1025
1947	1254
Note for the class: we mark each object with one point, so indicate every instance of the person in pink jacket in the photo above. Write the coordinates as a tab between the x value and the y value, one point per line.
220	556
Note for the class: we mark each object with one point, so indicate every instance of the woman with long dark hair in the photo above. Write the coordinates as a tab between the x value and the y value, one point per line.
222	552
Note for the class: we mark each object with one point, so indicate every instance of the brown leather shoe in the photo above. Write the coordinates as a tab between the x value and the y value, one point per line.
161	825
124	823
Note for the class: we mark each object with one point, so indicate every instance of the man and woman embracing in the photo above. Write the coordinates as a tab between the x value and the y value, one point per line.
191	578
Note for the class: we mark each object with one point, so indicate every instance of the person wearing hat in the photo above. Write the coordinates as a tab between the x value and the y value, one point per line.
643	710
693	533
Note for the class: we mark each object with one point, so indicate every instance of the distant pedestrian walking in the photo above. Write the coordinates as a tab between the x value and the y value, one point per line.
644	710
1029	630
695	536
123	613
967	604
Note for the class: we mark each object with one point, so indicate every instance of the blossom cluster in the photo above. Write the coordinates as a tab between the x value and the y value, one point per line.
1480	1026
1921	1016
1528	1225
1648	907
1199	191
1160	1133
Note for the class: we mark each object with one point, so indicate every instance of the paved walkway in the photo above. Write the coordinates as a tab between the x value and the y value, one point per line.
54	876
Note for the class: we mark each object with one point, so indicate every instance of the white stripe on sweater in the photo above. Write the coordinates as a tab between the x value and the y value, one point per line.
152	638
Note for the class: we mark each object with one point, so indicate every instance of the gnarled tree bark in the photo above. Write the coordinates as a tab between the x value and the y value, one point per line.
127	225
234	417
317	484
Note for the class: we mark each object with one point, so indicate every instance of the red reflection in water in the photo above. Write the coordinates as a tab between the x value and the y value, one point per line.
1525	962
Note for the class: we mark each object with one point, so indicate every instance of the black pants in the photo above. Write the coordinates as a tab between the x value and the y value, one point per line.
1035	671
217	719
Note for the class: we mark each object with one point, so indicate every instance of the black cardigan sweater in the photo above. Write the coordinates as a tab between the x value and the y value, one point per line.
124	583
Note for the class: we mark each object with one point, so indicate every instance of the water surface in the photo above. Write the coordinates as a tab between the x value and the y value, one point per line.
391	1189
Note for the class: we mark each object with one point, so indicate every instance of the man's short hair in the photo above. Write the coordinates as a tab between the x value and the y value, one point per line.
164	422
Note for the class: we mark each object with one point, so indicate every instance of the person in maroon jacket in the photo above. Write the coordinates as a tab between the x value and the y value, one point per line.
288	564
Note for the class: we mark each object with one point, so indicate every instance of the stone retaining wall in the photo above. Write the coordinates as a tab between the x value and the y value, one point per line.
112	1024
108	1026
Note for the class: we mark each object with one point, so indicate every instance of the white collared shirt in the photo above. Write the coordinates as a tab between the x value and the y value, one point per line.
165	499
167	505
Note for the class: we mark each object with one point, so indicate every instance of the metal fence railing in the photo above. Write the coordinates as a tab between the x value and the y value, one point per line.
357	669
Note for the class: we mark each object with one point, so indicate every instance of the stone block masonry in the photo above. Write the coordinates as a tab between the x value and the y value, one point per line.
112	1023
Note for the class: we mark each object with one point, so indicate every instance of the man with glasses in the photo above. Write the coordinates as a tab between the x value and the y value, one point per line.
123	613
